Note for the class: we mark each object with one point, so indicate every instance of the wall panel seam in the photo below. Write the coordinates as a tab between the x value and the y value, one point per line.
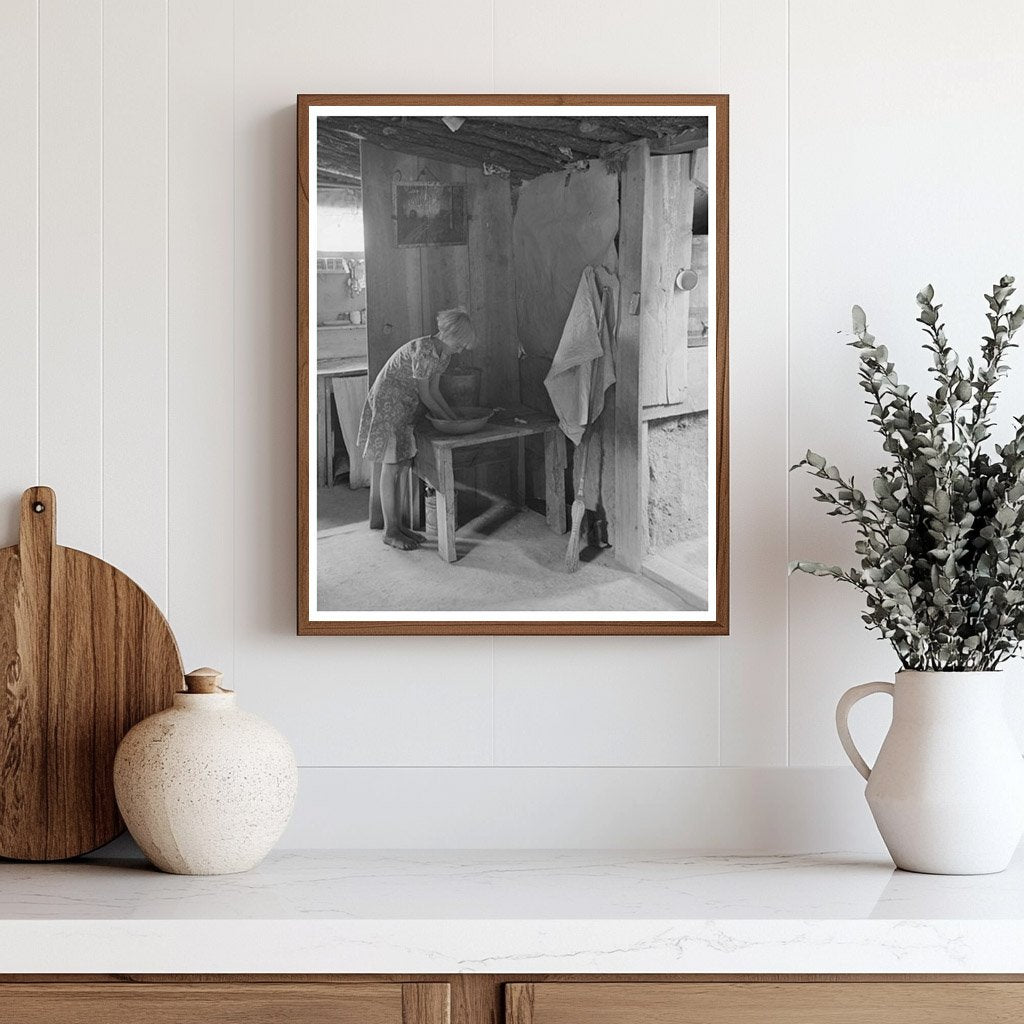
167	309
234	331
39	50
789	703
493	699
718	711
720	45
103	279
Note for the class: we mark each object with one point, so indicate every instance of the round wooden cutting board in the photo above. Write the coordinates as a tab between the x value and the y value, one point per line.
85	654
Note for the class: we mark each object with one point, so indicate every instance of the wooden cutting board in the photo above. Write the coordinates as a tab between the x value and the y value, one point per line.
84	655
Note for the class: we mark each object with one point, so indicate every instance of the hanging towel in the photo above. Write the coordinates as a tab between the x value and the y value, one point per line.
582	371
584	364
349	397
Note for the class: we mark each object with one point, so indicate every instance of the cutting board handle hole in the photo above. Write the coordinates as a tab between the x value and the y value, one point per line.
38	506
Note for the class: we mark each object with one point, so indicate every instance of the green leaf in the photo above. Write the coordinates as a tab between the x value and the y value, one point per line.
816	568
860	321
1006	515
955	599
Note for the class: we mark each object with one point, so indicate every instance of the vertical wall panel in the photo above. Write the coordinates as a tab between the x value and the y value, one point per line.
875	215
662	46
492	294
135	290
281	50
878	211
200	370
567	702
658	46
444	269
394	303
753	670
18	213
71	266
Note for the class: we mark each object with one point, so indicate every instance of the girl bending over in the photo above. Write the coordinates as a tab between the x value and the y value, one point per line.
409	380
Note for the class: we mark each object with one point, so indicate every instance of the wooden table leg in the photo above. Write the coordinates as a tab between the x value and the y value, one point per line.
322	479
519	474
554	479
446	506
415	488
329	428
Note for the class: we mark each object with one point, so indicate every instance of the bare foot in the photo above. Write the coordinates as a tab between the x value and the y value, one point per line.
399	541
376	519
413	535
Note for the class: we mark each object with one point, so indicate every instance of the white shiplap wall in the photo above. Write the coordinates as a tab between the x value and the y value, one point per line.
147	367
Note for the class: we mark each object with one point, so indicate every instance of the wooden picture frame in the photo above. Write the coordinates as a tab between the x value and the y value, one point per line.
632	159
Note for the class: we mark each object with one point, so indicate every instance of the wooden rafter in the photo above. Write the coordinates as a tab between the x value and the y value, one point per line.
525	147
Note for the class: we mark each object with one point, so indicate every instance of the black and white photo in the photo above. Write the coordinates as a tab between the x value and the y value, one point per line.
512	365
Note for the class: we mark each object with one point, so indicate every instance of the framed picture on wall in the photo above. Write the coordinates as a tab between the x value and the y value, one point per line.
430	213
512	353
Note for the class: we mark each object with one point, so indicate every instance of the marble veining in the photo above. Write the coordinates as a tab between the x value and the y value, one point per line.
493	911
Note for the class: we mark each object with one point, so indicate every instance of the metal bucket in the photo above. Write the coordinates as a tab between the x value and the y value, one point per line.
461	386
430	513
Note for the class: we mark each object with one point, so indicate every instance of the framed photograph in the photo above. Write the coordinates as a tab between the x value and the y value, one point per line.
512	357
430	213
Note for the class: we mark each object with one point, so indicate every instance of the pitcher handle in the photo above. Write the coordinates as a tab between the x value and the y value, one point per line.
846	702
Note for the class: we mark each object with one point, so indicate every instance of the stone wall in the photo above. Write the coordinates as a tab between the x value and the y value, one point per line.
677	498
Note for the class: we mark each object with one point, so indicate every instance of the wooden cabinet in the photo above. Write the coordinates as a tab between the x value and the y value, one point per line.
792	1002
224	1003
487	999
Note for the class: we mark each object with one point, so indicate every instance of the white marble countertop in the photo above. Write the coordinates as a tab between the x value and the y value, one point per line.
510	912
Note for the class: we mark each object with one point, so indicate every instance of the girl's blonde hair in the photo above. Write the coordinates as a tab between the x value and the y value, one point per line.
454	322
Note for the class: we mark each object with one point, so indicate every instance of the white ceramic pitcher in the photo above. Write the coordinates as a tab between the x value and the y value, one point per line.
947	789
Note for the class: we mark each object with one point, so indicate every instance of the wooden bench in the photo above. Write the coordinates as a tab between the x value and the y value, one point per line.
438	455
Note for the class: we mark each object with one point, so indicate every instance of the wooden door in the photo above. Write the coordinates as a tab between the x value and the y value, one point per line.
665	309
953	1002
652	360
630	458
224	1003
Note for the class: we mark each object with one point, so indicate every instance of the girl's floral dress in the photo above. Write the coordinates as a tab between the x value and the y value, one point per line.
392	404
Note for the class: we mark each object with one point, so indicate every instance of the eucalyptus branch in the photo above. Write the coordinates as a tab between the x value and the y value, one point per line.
942	539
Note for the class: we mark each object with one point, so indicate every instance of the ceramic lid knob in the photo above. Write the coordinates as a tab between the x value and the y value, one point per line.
203	680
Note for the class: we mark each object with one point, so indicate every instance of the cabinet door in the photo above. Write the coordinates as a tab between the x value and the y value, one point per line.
766	1003
223	1003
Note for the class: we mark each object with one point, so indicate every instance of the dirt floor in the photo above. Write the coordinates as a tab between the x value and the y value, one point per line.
509	560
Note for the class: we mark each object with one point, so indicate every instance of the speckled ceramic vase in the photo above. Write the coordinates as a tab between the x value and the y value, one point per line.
204	788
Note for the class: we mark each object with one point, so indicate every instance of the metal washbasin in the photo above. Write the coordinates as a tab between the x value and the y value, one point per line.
471	419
